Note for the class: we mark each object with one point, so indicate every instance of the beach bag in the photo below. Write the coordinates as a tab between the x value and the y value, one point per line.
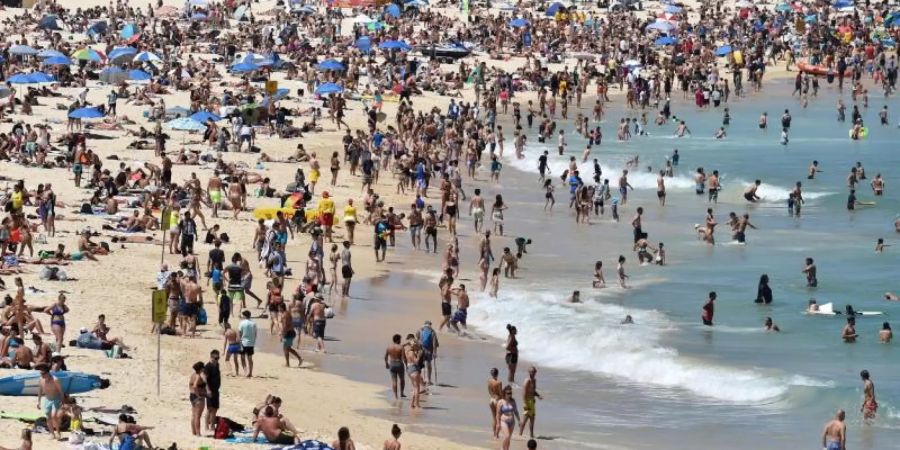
201	317
86	209
223	431
48	273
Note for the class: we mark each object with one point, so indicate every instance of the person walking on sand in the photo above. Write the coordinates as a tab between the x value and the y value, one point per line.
495	391
49	400
288	334
530	396
232	348
835	435
869	405
393	362
247	332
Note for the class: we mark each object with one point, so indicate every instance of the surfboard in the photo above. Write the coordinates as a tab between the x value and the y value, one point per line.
27	384
827	309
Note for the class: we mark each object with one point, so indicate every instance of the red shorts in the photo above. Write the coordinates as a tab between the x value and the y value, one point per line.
326	219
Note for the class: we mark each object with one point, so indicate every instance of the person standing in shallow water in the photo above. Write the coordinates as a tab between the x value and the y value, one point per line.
709	310
763	291
512	353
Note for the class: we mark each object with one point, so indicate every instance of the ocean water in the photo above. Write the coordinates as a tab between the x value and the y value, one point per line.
668	378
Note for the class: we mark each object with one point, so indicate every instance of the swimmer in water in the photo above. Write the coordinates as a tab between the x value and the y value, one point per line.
599	280
620	271
886	334
880	245
813	306
848	334
770	325
721	134
764	121
813	170
628	320
682	129
809	269
576	297
750	192
835	435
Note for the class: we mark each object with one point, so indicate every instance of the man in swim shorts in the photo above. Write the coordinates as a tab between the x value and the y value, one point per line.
835	435
393	362
277	430
51	393
529	398
232	347
214	188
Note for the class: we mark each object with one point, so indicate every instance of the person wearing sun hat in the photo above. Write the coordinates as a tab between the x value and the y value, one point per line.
325	212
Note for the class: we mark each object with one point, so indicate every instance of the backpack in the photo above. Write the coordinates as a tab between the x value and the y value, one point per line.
427	335
223	431
201	317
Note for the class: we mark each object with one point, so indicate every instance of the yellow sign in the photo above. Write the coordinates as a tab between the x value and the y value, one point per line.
165	220
159	306
271	87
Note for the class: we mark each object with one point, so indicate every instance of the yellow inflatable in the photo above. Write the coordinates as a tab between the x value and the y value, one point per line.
269	213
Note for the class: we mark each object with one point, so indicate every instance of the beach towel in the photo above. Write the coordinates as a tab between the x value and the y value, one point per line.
246	438
311	444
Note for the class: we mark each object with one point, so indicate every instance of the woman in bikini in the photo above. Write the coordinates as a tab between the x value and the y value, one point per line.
507	415
197	397
58	319
412	356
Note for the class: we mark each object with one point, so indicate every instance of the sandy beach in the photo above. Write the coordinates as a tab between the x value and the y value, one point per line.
348	386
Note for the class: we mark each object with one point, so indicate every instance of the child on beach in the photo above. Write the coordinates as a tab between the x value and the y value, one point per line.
495	282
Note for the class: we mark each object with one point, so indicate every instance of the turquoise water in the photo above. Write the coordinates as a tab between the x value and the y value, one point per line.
667	381
668	377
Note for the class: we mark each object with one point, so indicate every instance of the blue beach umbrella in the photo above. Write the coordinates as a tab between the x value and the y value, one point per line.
329	88
89	112
518	23
812	18
146	57
49	53
138	75
723	50
331	64
364	43
23	50
128	31
392	10
665	27
198	17
57	61
783	7
49	22
672	9
113	75
99	27
665	40
186	124
41	77
888	42
20	78
124	52
554	8
203	116
394	45
842	4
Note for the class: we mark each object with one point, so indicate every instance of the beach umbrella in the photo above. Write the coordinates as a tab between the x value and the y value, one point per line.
49	53
87	54
812	18
23	50
394	45
57	61
416	4
97	28
723	50
198	2
240	13
203	116
331	64
243	67
392	10
41	77
20	78
113	75
128	31
842	4
5	92
186	124
49	22
303	9
782	7
198	17
632	63
138	75
364	43
554	8
672	9
89	112
123	52
518	23
362	18
661	25
146	57
888	42
375	26
178	111
329	88
743	4
665	40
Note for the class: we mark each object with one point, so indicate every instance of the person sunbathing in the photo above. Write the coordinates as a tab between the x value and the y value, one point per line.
277	430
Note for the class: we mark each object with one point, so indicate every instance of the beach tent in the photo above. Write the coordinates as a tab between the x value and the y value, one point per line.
518	23
329	88
723	50
394	45
89	112
49	22
49	53
203	116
